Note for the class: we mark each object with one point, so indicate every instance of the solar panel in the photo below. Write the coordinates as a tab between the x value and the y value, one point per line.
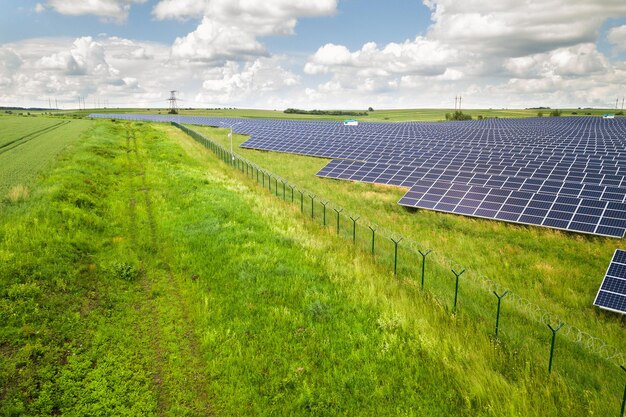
612	293
571	171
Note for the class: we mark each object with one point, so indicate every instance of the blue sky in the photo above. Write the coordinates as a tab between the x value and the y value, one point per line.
313	53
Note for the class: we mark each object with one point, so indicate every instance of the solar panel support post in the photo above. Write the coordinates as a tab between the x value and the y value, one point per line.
500	297
373	228
424	254
338	211
354	220
624	398
324	204
456	287
312	196
395	255
554	330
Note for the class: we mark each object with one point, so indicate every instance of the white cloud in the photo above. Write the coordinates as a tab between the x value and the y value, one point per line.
114	9
230	30
617	36
515	28
214	41
39	8
256	81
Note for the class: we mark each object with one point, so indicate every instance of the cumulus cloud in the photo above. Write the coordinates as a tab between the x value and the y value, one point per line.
617	37
515	28
215	41
256	81
108	9
230	30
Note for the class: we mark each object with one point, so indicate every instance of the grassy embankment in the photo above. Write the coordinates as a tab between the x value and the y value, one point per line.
142	276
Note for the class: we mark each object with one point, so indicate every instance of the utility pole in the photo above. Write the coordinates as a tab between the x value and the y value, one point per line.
172	100
460	98
455	99
56	103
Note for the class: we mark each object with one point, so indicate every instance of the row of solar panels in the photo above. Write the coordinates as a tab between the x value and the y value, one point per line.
560	173
447	155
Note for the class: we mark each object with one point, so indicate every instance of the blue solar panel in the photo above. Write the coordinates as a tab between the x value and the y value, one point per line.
572	170
612	292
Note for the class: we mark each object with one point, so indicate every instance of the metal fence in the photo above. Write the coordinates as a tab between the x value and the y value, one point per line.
422	269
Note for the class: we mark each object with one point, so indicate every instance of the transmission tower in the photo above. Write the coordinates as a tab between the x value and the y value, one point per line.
172	100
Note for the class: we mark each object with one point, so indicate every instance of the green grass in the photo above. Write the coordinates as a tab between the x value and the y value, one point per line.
145	277
385	115
28	147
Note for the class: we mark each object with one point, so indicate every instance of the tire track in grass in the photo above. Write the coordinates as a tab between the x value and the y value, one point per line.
134	169
192	345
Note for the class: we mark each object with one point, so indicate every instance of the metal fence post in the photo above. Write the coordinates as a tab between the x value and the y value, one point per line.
424	254
456	289
373	228
395	255
312	196
500	297
354	220
552	344
338	211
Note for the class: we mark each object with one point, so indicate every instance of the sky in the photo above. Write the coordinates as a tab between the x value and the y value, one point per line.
313	54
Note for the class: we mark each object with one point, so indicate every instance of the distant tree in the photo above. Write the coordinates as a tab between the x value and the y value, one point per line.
458	115
555	113
370	109
539	114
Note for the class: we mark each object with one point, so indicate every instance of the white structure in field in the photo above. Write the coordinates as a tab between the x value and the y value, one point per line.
608	116
350	122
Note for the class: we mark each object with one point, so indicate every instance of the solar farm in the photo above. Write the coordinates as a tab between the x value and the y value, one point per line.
560	173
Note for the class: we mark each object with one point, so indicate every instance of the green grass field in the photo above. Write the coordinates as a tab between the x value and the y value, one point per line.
144	276
395	115
28	146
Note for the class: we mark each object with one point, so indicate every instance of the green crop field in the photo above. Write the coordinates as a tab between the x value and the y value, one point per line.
28	145
143	275
395	115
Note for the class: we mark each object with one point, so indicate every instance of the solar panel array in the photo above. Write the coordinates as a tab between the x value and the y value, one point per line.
612	292
566	173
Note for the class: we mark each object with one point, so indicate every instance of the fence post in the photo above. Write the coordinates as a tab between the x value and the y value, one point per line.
354	220
284	195
263	175
292	187
500	297
338	211
269	182
552	344
395	255
424	254
276	186
624	399
373	228
312	196
324	204
456	289
301	201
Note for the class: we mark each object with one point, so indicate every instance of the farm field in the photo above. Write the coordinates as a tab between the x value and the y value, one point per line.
395	115
28	145
144	276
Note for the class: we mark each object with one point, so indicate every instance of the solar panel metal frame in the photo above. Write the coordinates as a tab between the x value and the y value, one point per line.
616	271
